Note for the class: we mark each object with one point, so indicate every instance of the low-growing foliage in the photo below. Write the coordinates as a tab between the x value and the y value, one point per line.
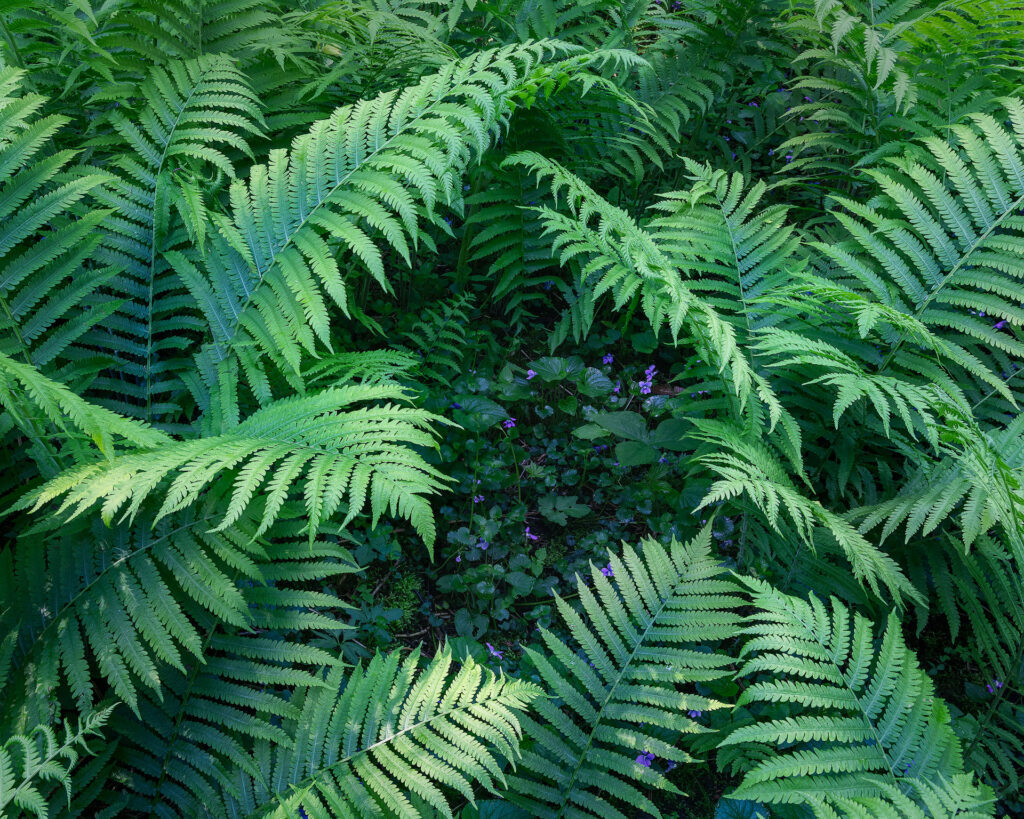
500	409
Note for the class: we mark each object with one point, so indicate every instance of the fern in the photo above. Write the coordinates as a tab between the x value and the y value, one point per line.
33	761
387	740
639	641
364	454
374	169
861	723
194	112
439	338
193	736
943	243
49	298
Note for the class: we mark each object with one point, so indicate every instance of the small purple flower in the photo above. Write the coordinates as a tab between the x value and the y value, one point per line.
694	714
509	423
607	571
607	358
493	651
530	374
458	559
455	405
483	544
478	499
529	534
999	325
645	759
618	386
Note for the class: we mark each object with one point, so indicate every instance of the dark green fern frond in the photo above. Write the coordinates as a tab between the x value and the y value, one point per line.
626	684
49	298
194	736
194	113
438	338
37	762
120	607
387	741
315	443
851	720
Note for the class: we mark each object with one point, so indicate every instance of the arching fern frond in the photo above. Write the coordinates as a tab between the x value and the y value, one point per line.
23	387
362	179
749	467
625	685
33	763
944	242
618	257
853	721
387	740
316	443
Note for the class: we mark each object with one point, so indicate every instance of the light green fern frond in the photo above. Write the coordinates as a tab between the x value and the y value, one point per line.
852	721
315	443
618	257
33	401
749	467
361	180
625	686
388	741
39	760
943	244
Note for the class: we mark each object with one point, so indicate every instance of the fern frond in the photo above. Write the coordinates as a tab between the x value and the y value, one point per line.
195	735
853	721
49	296
626	683
944	243
389	738
39	759
315	443
438	338
194	114
362	179
748	467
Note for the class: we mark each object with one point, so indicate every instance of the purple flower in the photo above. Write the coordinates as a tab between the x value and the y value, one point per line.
607	571
999	325
493	651
645	759
694	714
530	374
618	386
509	423
458	559
607	358
455	405
483	544
529	534
478	499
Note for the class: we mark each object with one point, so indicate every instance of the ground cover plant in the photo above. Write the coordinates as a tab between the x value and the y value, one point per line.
523	408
